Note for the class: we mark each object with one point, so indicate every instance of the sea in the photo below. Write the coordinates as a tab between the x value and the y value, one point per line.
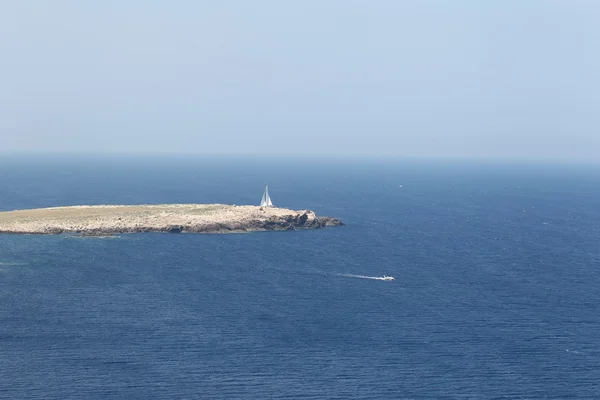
496	292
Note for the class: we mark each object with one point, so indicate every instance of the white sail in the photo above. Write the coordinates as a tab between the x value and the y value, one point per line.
266	199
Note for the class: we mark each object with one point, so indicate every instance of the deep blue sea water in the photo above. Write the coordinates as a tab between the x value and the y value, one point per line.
497	291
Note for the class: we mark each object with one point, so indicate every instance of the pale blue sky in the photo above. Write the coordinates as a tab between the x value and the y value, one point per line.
436	78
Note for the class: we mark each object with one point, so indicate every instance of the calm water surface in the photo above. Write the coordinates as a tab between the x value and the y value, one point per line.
497	287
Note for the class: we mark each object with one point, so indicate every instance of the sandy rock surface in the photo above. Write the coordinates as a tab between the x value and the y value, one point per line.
201	218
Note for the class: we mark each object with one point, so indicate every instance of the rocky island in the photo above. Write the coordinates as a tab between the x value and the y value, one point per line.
174	218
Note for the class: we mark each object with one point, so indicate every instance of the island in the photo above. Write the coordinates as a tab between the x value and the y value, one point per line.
102	220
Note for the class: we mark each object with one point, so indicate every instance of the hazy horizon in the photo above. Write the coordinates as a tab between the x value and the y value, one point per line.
95	156
427	79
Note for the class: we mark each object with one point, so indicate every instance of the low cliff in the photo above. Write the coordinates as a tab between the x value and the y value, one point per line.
174	218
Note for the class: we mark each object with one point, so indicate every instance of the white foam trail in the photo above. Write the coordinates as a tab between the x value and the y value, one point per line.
377	278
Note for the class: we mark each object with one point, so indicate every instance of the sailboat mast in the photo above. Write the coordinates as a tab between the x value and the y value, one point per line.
266	200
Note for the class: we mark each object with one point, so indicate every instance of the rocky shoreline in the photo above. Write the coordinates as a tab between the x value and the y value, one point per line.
106	220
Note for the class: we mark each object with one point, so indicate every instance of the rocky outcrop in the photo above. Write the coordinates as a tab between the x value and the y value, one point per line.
171	218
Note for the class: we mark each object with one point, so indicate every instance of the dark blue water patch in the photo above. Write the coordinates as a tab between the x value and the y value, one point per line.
496	292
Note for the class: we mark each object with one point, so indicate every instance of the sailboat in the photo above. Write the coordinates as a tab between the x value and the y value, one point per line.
266	200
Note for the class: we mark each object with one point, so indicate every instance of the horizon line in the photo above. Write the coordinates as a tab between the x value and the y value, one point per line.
300	154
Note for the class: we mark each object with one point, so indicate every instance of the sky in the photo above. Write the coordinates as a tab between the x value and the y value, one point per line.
507	78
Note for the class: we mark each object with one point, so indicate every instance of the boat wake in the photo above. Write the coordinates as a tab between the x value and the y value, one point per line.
10	264
376	278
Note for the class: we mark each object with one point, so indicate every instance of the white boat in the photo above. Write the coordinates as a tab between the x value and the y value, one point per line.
266	199
387	278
